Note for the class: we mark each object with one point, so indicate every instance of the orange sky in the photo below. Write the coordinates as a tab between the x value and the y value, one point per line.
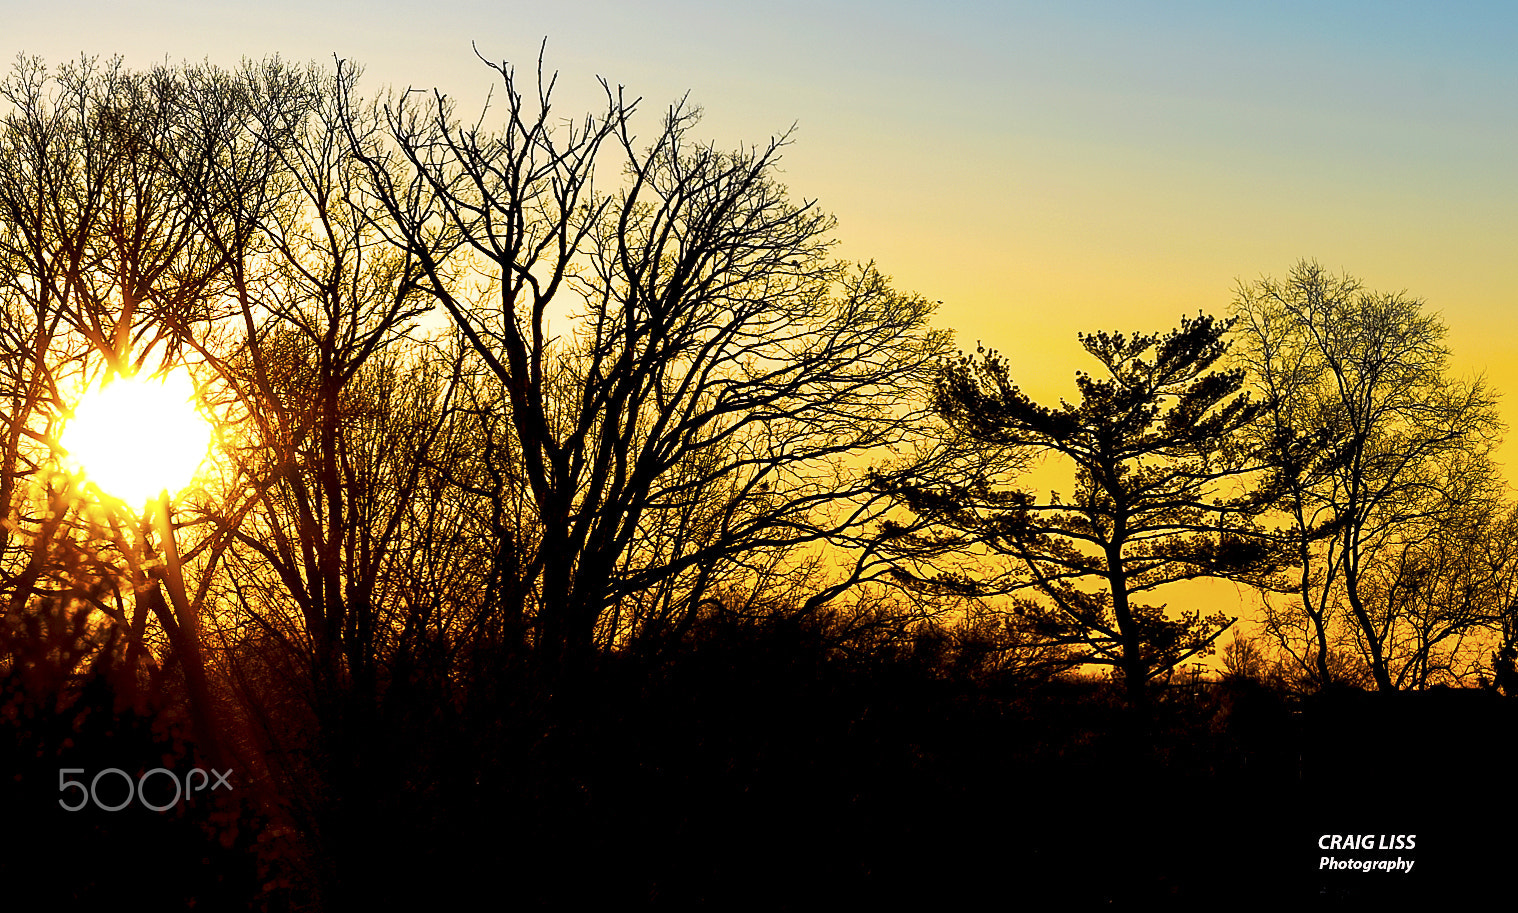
1042	170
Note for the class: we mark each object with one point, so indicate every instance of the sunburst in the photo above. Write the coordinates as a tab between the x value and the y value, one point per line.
137	438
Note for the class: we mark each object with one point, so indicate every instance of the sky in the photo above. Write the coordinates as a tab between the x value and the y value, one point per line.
1041	168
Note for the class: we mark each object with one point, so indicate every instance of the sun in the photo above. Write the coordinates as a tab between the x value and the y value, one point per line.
138	437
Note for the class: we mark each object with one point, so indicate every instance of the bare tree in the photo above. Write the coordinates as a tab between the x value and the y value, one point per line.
1448	589
104	268
319	298
715	386
1376	451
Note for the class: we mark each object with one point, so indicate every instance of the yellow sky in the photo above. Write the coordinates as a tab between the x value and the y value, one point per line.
1043	169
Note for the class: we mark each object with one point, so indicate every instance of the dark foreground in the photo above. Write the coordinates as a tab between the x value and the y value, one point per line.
765	768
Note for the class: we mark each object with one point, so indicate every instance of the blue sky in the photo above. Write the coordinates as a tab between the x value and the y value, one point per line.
1042	168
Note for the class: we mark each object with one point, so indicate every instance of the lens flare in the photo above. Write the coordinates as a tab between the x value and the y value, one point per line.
136	437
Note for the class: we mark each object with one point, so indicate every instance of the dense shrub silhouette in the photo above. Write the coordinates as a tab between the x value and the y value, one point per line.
81	707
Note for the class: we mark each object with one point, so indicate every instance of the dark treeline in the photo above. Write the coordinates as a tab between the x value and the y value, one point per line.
581	530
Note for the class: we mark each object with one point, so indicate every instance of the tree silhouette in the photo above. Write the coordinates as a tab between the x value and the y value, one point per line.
605	563
1159	495
701	407
105	269
1378	456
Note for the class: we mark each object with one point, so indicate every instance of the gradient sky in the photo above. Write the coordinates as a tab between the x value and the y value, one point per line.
1042	168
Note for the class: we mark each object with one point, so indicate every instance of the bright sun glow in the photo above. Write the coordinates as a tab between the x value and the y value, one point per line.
136	437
